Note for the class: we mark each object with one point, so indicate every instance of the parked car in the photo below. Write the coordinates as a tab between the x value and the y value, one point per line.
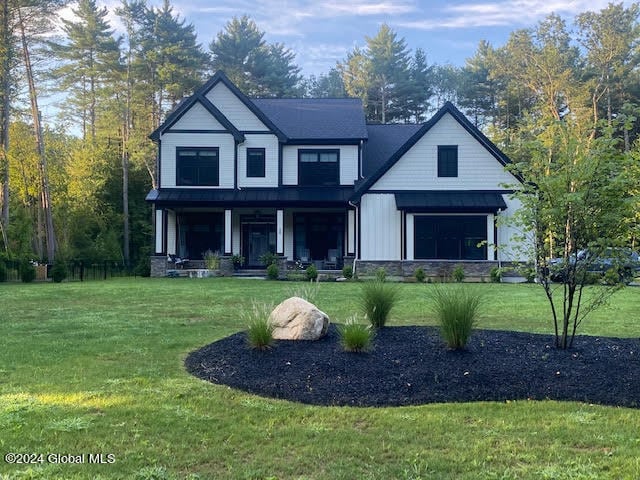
624	261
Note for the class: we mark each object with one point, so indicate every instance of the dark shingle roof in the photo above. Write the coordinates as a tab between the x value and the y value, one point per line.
450	201
316	118
383	142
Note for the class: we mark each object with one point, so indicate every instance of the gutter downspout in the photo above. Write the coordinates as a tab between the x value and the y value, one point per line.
356	237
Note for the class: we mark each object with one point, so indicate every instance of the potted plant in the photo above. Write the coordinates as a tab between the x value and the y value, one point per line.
237	260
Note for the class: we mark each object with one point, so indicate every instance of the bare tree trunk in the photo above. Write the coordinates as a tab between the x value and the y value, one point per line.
45	197
4	123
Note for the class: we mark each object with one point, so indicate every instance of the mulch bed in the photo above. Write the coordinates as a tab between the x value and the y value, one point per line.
412	366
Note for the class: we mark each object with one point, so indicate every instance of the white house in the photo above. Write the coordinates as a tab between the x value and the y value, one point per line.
310	181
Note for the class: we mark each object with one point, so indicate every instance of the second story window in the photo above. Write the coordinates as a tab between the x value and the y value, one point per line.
447	160
197	166
255	162
318	167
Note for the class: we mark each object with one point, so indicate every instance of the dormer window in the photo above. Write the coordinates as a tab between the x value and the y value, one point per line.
447	160
197	166
318	167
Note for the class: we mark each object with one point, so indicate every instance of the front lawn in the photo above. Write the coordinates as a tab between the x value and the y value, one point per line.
97	368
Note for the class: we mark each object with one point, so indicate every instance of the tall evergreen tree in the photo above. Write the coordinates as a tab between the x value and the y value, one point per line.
90	56
256	67
420	87
328	85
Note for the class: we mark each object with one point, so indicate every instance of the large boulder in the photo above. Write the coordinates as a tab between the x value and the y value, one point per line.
297	319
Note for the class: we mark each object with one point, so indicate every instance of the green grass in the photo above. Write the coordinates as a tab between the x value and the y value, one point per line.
97	367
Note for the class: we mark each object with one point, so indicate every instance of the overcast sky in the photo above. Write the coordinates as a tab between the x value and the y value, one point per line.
321	32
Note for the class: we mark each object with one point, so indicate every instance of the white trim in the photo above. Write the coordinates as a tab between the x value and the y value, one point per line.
351	232
491	240
280	232
172	232
159	230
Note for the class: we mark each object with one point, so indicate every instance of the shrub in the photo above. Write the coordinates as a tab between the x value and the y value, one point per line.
312	273
347	272
381	274
458	273
268	258
419	274
259	329
27	271
611	277
59	271
456	310
355	336
495	274
377	300
212	260
3	271
237	260
272	271
143	267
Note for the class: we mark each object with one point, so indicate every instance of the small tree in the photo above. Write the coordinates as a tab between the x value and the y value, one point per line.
573	200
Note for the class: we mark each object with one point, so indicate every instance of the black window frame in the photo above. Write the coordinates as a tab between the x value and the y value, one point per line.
256	166
447	161
198	168
318	173
450	237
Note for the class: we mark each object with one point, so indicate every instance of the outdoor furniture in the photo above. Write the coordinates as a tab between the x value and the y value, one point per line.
177	261
332	259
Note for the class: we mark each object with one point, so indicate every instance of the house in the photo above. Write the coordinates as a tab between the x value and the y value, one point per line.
312	182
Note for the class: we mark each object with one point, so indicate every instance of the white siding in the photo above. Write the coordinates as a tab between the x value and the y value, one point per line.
233	108
197	118
348	162
270	144
380	223
510	249
223	141
417	169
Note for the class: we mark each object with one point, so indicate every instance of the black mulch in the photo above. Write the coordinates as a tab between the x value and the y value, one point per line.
411	366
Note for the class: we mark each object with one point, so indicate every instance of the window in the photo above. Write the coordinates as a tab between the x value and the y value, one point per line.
318	236
197	166
453	237
255	162
447	160
199	232
318	167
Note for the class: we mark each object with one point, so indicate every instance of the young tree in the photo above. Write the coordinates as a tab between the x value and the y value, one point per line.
573	201
6	43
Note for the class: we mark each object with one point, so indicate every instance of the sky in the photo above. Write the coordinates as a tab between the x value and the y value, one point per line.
321	32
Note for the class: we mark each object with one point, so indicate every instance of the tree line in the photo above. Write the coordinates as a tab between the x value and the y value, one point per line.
75	188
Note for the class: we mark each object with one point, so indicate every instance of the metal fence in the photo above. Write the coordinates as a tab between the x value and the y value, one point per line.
77	271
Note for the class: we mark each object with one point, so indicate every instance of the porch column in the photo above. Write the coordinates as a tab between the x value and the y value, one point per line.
351	232
227	232
491	240
279	232
171	232
159	232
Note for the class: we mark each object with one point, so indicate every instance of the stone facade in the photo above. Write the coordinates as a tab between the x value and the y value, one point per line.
158	265
441	270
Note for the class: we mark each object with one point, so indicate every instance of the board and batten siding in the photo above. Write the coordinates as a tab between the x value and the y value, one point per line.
509	248
170	141
270	145
418	168
234	109
197	118
348	162
380	228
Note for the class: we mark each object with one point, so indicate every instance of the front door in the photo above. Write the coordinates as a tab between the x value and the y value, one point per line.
257	239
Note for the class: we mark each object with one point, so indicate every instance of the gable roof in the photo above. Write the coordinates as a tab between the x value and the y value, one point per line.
384	141
292	120
200	96
314	120
449	108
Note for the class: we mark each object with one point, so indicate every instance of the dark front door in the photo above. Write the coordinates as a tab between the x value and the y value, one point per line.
257	239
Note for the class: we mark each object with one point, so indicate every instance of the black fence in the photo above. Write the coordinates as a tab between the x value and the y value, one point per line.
77	271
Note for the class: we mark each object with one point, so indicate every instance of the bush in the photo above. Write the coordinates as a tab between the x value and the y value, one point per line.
59	271
458	273
272	271
381	274
419	274
495	274
377	300
347	272
312	273
143	267
3	271
355	336
27	271
212	260
456	310
259	329
268	258
612	277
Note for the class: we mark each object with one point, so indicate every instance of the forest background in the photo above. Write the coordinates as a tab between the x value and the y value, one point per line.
75	189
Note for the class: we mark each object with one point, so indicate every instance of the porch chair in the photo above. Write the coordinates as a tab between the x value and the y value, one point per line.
177	261
332	259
